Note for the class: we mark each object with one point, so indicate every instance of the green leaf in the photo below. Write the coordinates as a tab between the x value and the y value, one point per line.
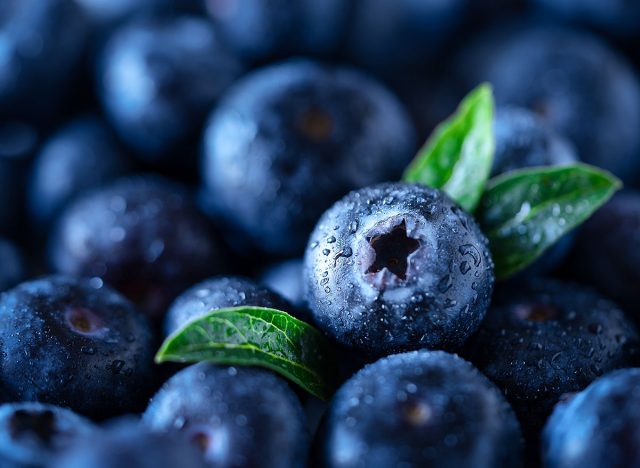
525	212
457	157
257	336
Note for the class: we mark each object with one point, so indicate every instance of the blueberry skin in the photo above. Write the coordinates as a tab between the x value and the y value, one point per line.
258	30
390	36
74	343
13	267
128	443
396	267
158	79
285	278
574	81
546	338
31	434
43	41
81	155
606	254
598	426
240	417
143	235
421	408
219	293
291	139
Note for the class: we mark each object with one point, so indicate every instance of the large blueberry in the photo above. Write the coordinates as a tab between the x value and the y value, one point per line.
158	79
81	155
291	139
422	408
13	268
143	235
239	417
74	343
396	267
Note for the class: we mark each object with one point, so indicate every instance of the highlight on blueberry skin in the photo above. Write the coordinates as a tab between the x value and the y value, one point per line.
31	434
422	408
74	343
396	267
238	417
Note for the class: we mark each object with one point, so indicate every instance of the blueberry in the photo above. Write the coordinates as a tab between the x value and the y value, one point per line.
598	426
291	139
74	343
263	29
239	417
546	338
32	433
422	408
141	234
218	293
12	265
158	79
81	155
573	81
396	267
42	43
128	443
392	35
285	278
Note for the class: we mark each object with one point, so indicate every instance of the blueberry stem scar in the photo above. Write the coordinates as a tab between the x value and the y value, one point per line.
392	250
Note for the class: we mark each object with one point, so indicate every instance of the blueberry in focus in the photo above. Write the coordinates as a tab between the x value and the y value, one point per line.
127	443
285	278
606	251
219	293
157	81
546	338
291	139
238	417
81	155
13	267
396	267
32	433
143	235
573	80
598	426
74	343
422	408
42	43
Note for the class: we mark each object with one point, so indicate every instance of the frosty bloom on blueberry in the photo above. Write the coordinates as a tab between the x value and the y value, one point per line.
396	267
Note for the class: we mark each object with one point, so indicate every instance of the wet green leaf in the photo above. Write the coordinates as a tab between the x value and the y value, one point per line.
457	157
525	212
257	336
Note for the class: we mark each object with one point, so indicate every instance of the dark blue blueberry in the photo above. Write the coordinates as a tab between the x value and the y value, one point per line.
126	443
291	139
158	79
13	268
573	81
219	293
606	252
423	408
143	235
239	417
31	434
546	338
396	267
387	35
263	29
105	14
42	43
81	155
285	278
600	426
74	343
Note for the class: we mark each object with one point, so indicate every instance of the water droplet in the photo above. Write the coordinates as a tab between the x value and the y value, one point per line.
326	252
331	239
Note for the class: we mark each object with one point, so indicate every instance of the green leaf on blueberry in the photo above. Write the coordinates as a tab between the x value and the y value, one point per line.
524	212
457	157
257	336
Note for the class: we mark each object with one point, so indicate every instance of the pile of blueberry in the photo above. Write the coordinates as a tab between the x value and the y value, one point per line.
161	160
